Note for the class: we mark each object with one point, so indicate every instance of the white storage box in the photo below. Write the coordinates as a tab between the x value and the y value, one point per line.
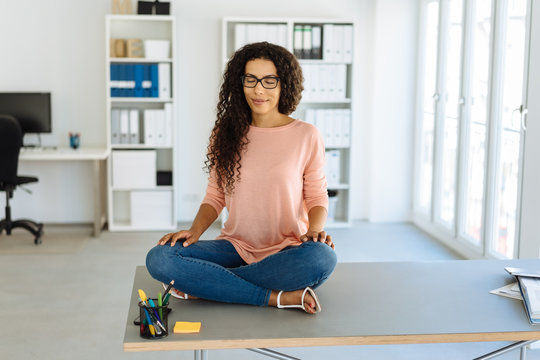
157	49
134	169
152	209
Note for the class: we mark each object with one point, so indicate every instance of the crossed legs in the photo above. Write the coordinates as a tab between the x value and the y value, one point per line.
213	270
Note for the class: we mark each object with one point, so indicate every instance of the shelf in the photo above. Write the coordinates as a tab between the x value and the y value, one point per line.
138	60
337	147
321	62
331	76
138	147
157	188
340	101
338	187
140	17
139	99
136	203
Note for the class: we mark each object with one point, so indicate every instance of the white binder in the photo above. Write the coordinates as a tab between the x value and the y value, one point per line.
332	82
346	127
310	116
328	115
307	94
168	124
272	34
115	126
282	31
239	36
134	126
164	80
124	126
338	43
333	167
323	78
298	40
328	42
307	46
320	123
316	41
149	127
337	134
348	44
159	127
341	84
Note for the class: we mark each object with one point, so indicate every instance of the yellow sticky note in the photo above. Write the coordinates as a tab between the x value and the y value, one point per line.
186	327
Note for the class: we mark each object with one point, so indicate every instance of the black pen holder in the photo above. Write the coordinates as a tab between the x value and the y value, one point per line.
154	321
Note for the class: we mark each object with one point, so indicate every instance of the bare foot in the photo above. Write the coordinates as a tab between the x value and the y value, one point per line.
294	298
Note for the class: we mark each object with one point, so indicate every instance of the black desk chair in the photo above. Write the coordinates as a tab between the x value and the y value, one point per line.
10	146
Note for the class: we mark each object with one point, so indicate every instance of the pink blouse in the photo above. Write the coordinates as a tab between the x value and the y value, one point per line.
281	179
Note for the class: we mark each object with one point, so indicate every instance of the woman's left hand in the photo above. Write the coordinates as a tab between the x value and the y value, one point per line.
317	236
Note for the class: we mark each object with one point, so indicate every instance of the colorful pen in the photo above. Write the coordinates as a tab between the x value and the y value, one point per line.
160	304
166	299
142	296
157	322
150	316
149	321
169	287
154	308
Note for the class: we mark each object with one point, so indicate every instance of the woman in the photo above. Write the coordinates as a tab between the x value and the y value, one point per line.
268	170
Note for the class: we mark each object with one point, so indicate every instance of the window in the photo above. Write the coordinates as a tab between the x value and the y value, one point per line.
429	88
470	138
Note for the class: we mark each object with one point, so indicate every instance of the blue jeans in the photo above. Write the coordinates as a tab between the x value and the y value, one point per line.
213	270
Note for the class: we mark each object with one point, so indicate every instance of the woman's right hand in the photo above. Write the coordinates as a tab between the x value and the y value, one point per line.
188	235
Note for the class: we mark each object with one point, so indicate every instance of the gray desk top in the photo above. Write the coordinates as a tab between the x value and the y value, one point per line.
362	303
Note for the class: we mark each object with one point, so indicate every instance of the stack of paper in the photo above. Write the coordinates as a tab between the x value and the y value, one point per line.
529	285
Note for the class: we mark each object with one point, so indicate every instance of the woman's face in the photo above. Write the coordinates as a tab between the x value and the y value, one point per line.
261	100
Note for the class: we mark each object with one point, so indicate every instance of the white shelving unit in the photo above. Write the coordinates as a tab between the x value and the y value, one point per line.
321	108
141	176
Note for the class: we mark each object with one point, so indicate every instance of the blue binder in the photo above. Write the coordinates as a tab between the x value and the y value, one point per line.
114	79
122	78
147	78
155	82
139	76
131	78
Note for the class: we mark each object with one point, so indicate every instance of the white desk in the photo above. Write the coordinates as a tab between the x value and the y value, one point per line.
98	155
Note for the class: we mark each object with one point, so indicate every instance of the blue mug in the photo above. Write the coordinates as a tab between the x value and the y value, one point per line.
74	140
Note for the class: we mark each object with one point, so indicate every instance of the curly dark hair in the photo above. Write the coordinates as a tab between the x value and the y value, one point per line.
228	138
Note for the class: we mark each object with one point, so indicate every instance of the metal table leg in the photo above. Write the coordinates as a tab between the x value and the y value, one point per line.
518	345
200	354
273	354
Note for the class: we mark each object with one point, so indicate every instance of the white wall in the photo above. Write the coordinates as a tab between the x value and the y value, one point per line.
61	49
58	47
392	121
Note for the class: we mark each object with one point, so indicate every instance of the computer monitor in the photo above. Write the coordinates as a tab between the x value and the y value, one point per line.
32	110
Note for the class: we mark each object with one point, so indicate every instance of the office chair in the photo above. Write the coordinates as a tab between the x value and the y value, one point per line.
10	146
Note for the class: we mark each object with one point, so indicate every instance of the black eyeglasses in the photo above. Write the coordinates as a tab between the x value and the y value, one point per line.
267	82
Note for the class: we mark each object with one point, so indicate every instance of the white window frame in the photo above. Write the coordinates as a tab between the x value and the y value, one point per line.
528	244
